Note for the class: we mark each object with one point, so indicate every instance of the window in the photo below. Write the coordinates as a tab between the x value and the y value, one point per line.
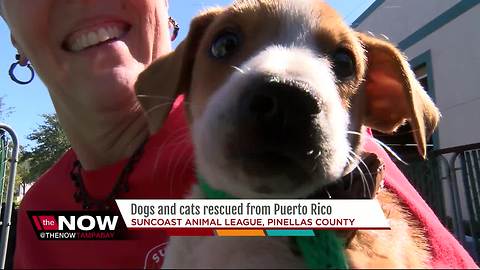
422	76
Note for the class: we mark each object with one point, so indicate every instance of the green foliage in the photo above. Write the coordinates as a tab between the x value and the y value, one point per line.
51	143
4	110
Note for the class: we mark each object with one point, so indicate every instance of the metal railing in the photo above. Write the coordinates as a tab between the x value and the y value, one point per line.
449	181
3	160
10	188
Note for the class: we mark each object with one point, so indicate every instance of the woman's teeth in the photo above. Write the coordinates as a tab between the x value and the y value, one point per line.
87	39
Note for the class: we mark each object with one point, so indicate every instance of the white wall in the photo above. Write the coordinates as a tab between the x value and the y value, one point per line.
399	18
455	52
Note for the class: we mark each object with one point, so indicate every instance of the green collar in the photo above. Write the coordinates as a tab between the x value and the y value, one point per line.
210	192
324	251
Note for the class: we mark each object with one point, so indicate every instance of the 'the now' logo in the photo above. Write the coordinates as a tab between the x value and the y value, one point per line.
75	223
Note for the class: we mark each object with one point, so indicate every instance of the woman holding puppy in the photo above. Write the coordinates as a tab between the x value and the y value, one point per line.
89	54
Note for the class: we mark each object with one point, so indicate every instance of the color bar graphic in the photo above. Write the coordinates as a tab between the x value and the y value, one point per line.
290	233
240	233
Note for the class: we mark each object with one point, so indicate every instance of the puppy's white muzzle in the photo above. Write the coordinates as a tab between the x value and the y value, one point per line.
276	128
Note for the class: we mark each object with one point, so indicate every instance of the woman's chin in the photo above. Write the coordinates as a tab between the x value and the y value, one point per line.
105	74
107	89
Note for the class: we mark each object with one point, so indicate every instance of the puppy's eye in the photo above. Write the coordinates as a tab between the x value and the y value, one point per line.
343	64
224	45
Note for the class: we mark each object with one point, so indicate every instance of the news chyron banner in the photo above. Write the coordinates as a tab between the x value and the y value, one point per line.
251	217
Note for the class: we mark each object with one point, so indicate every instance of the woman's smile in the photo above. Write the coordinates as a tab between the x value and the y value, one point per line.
94	33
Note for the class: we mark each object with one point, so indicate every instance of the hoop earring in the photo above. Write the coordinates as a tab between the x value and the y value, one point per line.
176	28
11	72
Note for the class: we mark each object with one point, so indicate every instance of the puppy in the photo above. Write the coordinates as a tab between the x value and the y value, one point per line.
278	93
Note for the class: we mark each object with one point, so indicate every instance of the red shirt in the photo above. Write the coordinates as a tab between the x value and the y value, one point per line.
166	171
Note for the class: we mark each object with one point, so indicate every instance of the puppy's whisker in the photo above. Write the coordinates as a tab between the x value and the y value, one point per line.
364	182
312	152
364	179
189	160
357	157
156	97
158	107
351	160
328	193
178	133
170	172
362	176
162	105
172	99
383	145
178	162
314	167
238	69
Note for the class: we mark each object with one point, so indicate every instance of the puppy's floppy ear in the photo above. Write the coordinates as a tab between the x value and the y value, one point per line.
393	94
170	75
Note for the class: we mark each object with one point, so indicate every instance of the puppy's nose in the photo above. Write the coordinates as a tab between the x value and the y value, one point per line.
276	105
263	106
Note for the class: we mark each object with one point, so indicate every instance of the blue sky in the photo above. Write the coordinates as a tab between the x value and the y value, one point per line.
29	102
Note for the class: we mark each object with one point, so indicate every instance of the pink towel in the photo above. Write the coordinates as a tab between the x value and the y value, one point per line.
446	250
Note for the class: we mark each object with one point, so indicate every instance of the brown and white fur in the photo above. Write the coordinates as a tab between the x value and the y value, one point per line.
276	113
